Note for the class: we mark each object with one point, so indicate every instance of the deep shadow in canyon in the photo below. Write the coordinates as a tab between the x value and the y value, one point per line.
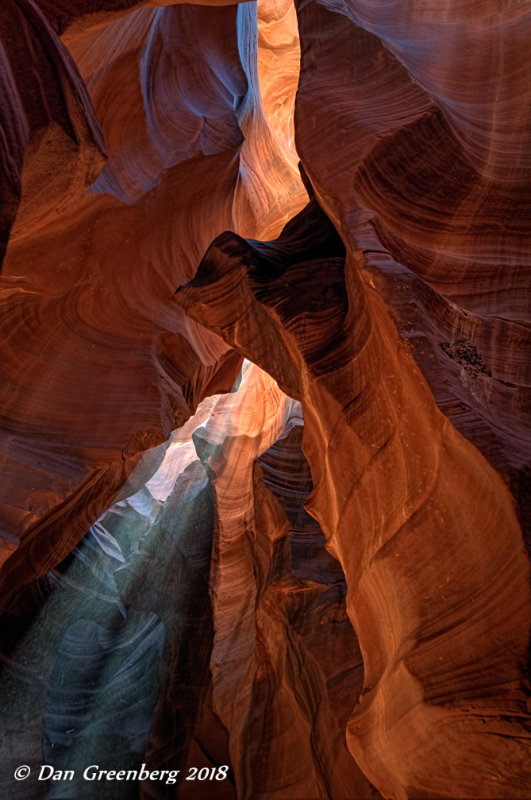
264	425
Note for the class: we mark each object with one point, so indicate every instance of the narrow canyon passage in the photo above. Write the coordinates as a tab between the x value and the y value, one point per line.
264	429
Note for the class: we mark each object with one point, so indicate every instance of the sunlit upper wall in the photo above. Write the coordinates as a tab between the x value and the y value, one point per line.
278	68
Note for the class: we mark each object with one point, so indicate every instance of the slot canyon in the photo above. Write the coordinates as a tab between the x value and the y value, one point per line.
265	438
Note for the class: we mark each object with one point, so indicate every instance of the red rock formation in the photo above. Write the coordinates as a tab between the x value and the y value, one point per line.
47	120
84	329
442	617
429	175
375	642
268	690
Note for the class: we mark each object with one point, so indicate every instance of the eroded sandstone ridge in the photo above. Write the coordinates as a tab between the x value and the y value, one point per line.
308	565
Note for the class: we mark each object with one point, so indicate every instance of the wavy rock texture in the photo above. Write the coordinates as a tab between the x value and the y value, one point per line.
267	688
442	618
336	609
139	621
46	119
85	330
431	182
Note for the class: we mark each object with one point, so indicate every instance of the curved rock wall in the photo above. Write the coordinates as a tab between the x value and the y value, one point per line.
434	191
87	298
441	614
318	579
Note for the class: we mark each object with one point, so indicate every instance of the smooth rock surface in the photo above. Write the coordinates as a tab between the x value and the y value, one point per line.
306	569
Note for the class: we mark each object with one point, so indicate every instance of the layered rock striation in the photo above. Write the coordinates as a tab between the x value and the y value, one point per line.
309	568
84	338
428	600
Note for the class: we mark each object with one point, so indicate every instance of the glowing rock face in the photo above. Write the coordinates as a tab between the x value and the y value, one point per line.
88	331
336	609
434	191
388	471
